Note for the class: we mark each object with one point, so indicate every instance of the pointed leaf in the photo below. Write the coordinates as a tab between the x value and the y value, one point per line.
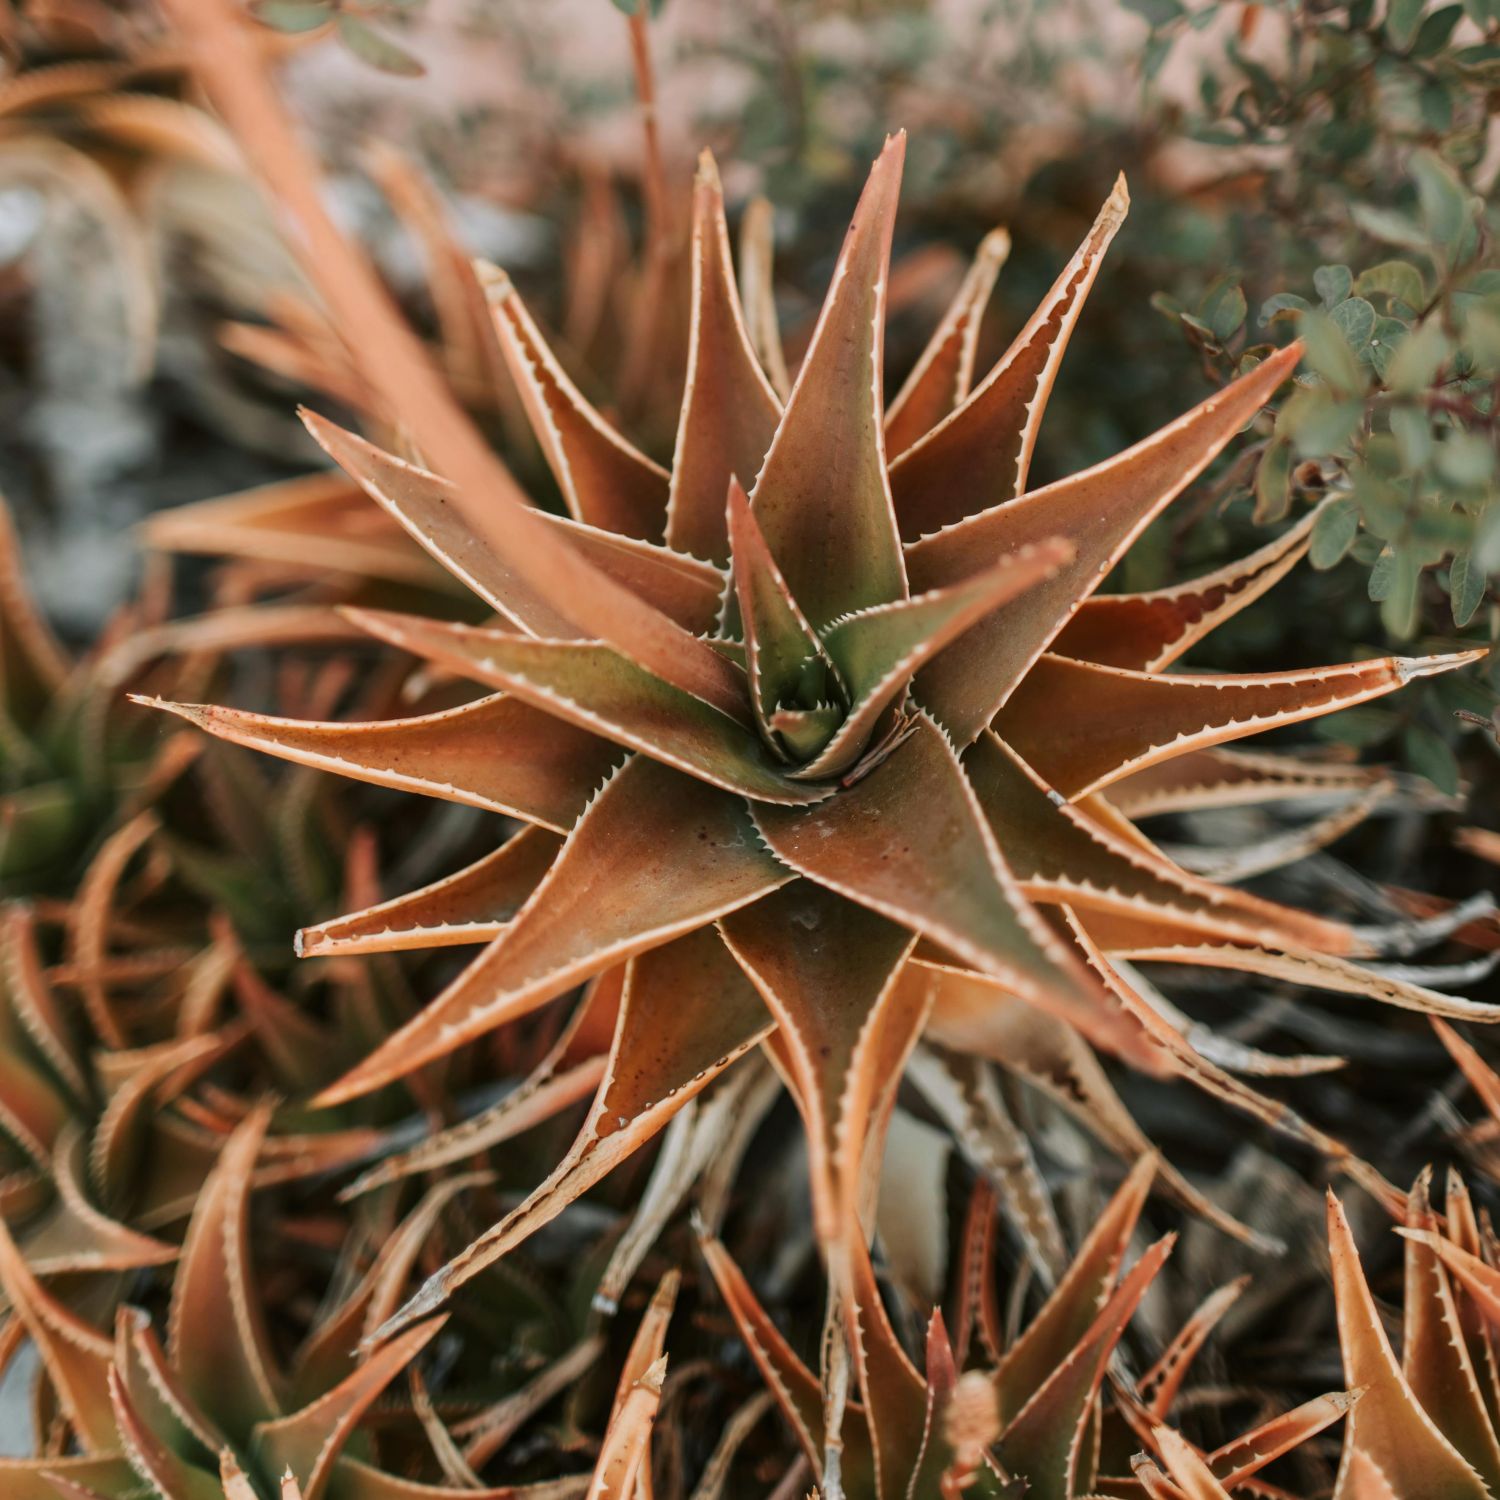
1246	1456
971	1014
1084	727
944	372
980	455
77	1236
32	999
321	520
823	497
309	1441
895	1395
909	842
627	1440
1462	1228
825	990
34	1111
963	1092
1077	1298
121	1133
166	1474
75	1355
877	650
1434	1354
1147	632
656	855
216	1331
1101	511
729	409
1185	1464
497	753
156	1395
1159	1386
1322	971
1044	1442
1478	1279
598	690
683	588
784	658
32	661
1060	854
604	480
1387	1427
1479	1075
473	905
70	1478
1233	778
487	1432
688	1013
331	1352
1213	1079
794	1386
757	251
405	380
571	1071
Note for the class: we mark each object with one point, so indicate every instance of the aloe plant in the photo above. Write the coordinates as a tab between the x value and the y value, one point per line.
206	1409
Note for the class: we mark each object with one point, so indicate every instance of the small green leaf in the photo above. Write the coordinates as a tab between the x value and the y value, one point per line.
1333	284
1466	458
1355	319
1317	422
1466	584
1444	202
1273	482
1328	352
1388	226
1283	305
1382	504
1223	308
1436	30
1436	103
1390	333
1167	305
1333	532
1398	609
1154	56
292	15
1427	753
1402	17
1398	280
1487	538
1412	430
1416	362
377	49
1481	339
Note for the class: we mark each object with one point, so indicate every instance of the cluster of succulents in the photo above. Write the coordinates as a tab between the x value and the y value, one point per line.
809	830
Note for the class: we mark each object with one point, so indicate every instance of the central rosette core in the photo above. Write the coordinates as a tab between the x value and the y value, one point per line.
808	713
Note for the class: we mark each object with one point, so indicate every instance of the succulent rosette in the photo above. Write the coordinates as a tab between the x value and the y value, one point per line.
838	743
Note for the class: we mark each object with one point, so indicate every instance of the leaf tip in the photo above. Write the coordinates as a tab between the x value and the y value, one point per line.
1409	668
